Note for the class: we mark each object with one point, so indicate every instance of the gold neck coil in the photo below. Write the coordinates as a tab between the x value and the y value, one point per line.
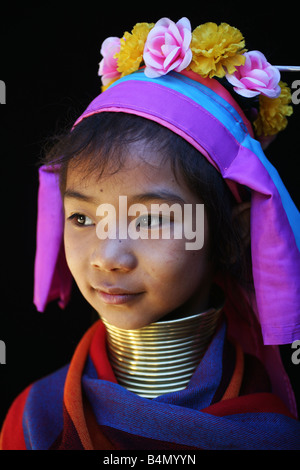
161	357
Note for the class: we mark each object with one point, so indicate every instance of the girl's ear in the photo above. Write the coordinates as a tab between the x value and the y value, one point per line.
237	246
241	218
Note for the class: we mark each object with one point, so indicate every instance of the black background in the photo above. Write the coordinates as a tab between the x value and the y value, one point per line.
49	63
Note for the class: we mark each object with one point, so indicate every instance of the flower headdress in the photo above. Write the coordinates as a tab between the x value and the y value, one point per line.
210	51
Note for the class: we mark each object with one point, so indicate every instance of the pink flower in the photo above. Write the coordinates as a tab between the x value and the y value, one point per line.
108	65
256	77
168	47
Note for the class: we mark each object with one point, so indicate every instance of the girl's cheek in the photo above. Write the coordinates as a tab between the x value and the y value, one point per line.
166	259
75	249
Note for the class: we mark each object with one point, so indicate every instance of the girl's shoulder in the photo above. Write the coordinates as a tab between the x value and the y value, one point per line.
39	405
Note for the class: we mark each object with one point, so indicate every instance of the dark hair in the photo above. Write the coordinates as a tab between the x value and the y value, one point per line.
101	142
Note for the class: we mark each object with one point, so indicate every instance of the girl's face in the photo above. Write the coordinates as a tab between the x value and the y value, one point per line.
134	281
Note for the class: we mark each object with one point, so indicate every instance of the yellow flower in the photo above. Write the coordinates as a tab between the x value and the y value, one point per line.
132	48
273	112
217	50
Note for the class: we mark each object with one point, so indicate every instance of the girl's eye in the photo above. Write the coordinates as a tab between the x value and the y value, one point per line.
81	220
151	221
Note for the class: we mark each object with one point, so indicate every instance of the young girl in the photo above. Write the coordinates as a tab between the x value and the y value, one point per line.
181	235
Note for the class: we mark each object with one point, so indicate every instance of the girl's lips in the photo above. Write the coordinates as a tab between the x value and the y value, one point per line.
116	298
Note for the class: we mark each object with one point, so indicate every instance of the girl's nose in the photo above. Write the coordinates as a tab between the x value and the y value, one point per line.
113	255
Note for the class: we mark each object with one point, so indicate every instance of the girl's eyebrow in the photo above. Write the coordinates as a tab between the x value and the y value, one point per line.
162	195
70	193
